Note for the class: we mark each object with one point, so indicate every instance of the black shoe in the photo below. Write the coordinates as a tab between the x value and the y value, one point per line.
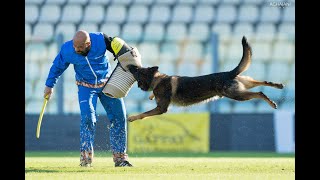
84	164
122	164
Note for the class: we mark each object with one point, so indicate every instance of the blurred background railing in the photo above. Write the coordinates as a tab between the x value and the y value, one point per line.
174	35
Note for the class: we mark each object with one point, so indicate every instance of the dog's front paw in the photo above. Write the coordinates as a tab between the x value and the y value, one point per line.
280	86
274	105
132	118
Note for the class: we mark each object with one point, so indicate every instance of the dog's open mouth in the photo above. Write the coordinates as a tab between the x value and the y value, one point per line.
142	86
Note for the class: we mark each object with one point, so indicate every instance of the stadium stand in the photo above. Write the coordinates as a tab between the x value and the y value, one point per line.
169	52
56	2
181	13
72	13
160	13
118	17
31	13
153	32
80	2
204	14
199	32
92	27
176	32
132	32
99	2
257	70
44	31
93	14
67	29
150	52
286	28
27	31
262	51
288	14
49	14
187	69
166	2
111	29
144	2
270	14
248	13
242	28
172	34
137	14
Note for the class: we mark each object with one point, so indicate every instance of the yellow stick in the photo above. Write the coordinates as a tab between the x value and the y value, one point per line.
41	115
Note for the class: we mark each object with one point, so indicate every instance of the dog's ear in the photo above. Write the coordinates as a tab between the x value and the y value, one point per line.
154	68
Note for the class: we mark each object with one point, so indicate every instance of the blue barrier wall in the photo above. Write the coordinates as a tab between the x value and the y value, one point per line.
61	133
228	132
242	132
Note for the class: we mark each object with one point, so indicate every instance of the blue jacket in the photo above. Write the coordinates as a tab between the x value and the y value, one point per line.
92	68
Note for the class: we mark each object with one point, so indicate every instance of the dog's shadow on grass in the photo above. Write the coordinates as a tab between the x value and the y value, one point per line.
34	170
37	170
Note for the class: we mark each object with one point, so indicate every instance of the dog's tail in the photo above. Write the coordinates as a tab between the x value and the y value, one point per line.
246	58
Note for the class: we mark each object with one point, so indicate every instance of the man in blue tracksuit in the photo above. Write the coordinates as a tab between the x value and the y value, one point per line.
86	51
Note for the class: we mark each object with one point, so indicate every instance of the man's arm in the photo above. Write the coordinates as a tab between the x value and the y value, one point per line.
59	65
124	48
108	40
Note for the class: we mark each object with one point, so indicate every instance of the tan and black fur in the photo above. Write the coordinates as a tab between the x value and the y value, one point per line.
185	91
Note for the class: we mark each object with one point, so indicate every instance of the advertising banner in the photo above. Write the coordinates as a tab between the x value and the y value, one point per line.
187	132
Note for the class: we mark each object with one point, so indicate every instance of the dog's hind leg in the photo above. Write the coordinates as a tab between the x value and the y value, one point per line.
249	82
246	95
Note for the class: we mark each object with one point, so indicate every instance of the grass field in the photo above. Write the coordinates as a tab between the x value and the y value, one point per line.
217	165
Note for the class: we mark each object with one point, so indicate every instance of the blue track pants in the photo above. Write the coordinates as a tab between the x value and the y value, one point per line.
116	113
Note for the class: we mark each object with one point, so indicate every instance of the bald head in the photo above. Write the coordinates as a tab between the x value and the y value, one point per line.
81	42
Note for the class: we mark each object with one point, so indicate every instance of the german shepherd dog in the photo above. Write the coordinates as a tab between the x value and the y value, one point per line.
185	91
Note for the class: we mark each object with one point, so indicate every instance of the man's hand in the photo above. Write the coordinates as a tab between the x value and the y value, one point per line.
47	92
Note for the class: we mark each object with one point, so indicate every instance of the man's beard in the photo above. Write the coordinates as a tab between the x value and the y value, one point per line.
85	52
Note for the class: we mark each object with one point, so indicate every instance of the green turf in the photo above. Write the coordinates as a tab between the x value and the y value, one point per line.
219	165
161	154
